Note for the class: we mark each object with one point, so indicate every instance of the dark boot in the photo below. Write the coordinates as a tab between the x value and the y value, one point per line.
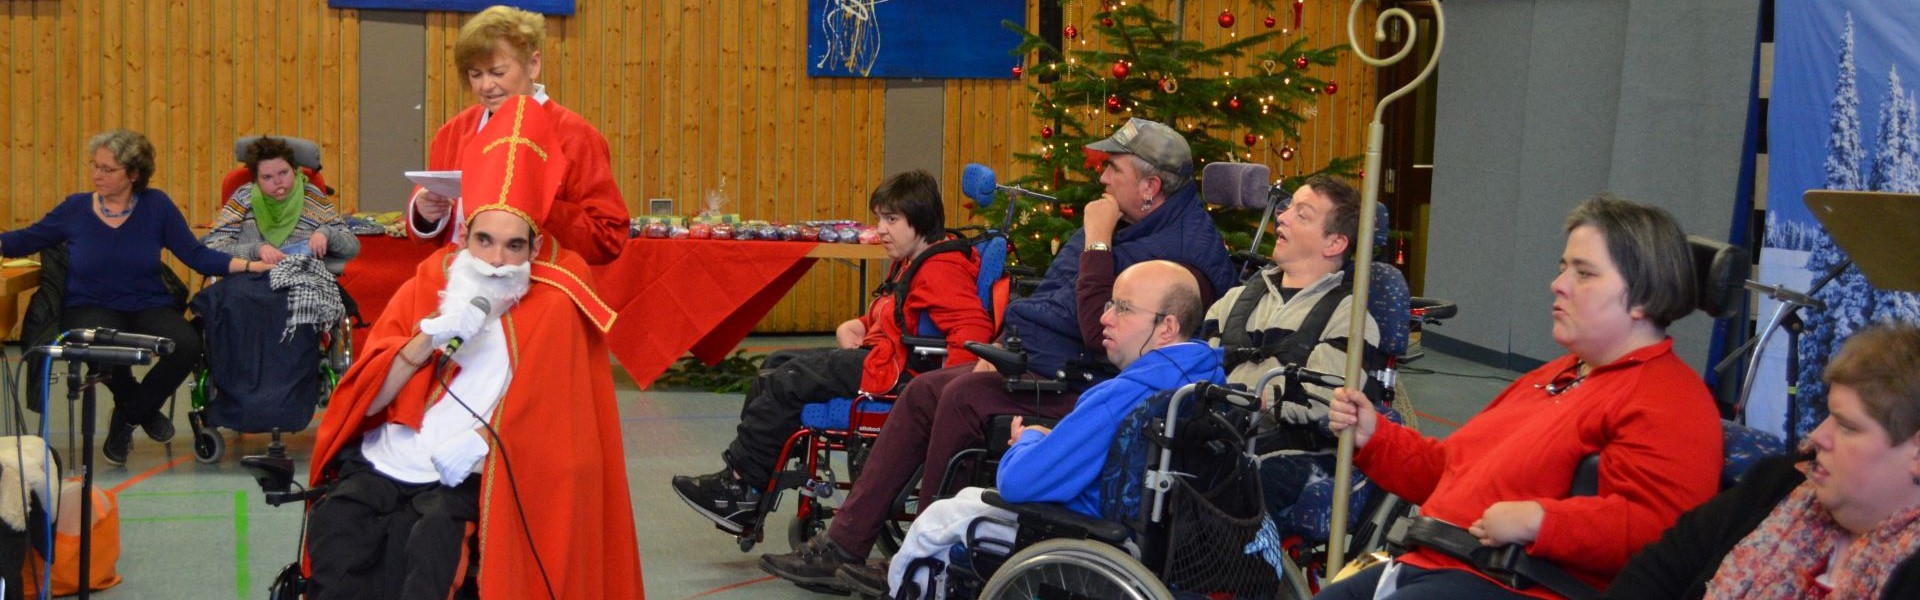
119	439
868	579
815	564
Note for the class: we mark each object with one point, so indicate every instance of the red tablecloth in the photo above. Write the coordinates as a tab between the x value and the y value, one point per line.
673	296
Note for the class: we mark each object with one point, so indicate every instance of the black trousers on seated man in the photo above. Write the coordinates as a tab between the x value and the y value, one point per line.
788	381
374	537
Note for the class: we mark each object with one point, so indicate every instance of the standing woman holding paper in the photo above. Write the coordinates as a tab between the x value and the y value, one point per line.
498	51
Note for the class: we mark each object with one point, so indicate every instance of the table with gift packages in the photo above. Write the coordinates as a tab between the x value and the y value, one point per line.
681	285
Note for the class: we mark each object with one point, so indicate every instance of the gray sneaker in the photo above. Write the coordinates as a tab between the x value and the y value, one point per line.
720	498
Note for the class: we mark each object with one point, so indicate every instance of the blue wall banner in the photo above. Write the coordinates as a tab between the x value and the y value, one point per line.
546	7
1843	116
912	38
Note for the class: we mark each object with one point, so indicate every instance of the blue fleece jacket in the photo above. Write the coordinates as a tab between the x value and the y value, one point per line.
1180	231
1062	467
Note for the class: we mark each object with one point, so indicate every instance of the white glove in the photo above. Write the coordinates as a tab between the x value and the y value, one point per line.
463	322
456	457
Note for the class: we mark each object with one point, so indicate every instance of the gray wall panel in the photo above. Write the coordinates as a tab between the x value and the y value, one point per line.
1545	102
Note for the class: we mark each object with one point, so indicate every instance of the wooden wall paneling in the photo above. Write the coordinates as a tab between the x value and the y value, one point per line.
729	129
346	166
223	71
15	131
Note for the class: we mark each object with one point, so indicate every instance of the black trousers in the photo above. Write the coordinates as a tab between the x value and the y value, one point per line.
1416	583
374	537
137	399
788	381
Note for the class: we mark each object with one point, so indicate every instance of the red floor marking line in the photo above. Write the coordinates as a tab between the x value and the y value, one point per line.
731	586
1423	414
149	473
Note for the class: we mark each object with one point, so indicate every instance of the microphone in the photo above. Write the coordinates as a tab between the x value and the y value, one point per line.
453	345
102	355
103	336
977	183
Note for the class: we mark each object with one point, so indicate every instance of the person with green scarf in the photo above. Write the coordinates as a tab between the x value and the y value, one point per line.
280	213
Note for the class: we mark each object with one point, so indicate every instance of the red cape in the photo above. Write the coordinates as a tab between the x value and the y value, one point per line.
557	423
588	216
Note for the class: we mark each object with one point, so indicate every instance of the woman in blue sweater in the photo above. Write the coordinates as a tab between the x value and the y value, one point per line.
114	236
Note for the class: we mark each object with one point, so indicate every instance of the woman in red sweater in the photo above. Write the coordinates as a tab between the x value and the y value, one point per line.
1620	392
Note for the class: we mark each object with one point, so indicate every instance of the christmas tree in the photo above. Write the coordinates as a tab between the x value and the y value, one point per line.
1225	99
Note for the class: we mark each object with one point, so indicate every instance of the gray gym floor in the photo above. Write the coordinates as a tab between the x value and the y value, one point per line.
190	530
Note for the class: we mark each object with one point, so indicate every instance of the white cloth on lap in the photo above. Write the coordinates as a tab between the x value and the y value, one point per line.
940	527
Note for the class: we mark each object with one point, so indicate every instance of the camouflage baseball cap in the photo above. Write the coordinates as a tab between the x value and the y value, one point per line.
1159	144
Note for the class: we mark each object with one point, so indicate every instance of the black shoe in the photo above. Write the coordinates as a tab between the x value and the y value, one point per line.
119	440
867	579
159	428
815	565
720	498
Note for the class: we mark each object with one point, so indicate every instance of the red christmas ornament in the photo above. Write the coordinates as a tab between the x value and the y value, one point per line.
1233	103
1268	21
1332	87
1300	61
1299	8
1120	70
1252	139
1113	104
1286	152
1106	22
1066	211
1071	32
1226	18
1016	71
1046	131
1169	85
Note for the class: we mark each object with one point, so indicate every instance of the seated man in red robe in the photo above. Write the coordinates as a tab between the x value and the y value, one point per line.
481	418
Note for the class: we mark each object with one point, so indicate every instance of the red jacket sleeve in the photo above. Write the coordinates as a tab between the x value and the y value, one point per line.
589	216
1401	460
947	290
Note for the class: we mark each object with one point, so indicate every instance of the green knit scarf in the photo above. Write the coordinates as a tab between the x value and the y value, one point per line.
277	217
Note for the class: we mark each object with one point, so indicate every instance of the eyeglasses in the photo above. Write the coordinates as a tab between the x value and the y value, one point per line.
1121	308
106	170
1566	379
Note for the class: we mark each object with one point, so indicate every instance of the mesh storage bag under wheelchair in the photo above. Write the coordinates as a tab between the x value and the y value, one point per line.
1211	520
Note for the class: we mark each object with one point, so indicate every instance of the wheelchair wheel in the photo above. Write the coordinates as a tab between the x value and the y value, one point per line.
1072	568
906	507
209	445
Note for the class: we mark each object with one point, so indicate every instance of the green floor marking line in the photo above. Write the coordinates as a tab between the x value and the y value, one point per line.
172	518
241	577
173	494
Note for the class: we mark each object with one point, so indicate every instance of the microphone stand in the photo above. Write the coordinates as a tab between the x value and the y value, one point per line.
82	389
1790	304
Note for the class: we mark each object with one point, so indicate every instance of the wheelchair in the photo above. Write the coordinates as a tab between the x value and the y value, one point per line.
214	409
1182	511
849	426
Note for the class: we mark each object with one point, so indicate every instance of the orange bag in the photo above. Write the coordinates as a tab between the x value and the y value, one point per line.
66	545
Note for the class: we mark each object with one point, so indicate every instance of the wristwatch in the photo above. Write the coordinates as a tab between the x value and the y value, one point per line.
1099	247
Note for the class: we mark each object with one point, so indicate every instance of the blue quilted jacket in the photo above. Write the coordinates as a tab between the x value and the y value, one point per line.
1180	231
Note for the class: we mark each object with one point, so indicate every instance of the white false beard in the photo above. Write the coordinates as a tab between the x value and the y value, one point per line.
470	278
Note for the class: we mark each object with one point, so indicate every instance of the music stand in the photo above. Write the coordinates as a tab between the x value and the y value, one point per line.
1879	230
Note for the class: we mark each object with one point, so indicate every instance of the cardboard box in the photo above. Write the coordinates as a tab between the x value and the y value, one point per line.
17	285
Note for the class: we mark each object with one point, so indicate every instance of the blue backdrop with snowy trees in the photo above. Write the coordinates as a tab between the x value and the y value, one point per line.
1844	115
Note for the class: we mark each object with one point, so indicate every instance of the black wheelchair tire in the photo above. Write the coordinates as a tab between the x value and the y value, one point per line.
1063	563
208	445
895	528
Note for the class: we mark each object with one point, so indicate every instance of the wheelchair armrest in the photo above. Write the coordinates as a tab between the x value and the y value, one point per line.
1433	310
1009	363
1054	521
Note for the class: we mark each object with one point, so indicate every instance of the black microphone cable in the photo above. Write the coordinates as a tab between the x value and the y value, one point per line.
439	374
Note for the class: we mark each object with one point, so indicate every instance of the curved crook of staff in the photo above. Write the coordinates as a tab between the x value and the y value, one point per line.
1363	252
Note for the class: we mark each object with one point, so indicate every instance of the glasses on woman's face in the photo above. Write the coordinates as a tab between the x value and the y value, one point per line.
106	169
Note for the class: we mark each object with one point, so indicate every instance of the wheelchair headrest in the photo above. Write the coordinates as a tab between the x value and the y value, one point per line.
1720	272
306	153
